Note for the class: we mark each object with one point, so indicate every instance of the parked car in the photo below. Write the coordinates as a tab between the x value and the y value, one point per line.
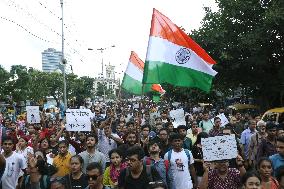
276	115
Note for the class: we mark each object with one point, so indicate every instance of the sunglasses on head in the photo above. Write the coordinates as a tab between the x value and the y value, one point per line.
94	177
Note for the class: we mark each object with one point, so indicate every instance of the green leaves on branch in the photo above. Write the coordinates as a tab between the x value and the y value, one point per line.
23	84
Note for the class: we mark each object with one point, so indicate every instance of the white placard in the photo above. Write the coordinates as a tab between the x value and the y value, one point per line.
224	120
219	148
33	114
78	120
136	106
178	117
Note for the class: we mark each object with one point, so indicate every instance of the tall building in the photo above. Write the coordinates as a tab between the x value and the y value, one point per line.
51	59
110	82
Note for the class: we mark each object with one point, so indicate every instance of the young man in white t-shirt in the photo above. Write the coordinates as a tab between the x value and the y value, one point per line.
14	164
182	171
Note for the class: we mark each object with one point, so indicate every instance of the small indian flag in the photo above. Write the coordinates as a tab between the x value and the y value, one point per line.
132	80
173	57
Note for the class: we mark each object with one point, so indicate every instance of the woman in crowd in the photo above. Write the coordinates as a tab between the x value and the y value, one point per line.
23	148
251	180
76	179
222	177
112	172
264	167
38	174
44	146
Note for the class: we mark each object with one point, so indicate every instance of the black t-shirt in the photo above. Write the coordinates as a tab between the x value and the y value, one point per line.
197	154
80	183
140	183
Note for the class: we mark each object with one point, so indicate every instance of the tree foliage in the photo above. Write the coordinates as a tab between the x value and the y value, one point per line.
30	84
245	37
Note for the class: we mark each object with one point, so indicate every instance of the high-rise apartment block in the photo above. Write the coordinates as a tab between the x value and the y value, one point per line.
51	59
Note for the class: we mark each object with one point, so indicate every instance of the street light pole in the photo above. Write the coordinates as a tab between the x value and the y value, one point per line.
103	78
63	58
102	51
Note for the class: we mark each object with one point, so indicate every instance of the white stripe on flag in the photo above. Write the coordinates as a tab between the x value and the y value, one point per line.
134	72
164	51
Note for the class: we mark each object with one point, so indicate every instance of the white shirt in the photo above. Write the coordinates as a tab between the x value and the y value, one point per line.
14	164
179	170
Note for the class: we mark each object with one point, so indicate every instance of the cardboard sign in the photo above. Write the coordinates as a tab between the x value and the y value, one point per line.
219	148
33	114
178	117
78	120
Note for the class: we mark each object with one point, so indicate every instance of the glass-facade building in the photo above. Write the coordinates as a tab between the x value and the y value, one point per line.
51	59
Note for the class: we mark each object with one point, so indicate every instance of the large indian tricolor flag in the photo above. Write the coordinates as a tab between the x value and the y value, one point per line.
132	80
173	57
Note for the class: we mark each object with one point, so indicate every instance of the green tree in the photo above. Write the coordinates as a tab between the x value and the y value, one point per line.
18	84
4	80
245	37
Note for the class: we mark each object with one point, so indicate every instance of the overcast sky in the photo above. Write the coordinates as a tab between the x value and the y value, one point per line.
35	26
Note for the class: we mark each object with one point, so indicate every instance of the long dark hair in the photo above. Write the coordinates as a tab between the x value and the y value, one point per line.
250	174
156	184
42	167
200	136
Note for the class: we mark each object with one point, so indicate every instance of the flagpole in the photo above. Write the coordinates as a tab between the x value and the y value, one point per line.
142	95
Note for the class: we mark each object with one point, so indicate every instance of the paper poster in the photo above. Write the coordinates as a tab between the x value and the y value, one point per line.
136	106
224	120
78	120
33	114
178	117
219	148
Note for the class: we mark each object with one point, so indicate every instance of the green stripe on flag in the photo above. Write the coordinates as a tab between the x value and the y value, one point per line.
161	72
133	86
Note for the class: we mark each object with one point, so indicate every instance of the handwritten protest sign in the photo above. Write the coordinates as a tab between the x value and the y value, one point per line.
33	114
219	148
224	120
178	117
78	120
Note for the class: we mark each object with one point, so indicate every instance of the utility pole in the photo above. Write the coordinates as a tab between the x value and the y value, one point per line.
63	58
103	78
102	51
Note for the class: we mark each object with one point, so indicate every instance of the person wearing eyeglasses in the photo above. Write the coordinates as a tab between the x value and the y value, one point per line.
14	164
137	175
95	176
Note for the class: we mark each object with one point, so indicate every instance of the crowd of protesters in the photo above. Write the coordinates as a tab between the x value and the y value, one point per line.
140	148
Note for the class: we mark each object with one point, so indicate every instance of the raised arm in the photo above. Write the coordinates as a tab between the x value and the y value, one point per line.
204	181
